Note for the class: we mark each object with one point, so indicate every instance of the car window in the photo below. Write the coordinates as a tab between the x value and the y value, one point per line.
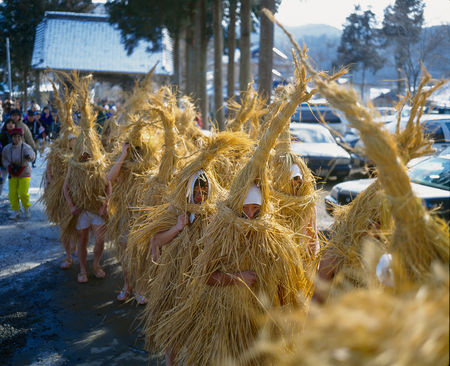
432	172
311	114
311	136
434	131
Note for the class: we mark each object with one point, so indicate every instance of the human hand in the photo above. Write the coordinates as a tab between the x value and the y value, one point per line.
156	252
74	210
182	221
248	277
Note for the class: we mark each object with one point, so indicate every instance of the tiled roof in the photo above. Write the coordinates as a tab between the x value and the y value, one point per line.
87	42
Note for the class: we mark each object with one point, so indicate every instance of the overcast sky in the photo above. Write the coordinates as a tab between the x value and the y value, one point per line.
334	12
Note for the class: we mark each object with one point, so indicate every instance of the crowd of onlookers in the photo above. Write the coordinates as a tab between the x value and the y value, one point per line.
23	132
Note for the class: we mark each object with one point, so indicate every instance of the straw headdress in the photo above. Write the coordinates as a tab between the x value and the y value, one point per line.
87	179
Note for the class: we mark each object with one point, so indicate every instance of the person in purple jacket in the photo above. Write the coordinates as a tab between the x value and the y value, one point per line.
47	121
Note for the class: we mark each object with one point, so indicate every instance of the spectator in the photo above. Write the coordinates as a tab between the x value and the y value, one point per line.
101	118
48	121
16	157
7	109
15	115
1	111
5	139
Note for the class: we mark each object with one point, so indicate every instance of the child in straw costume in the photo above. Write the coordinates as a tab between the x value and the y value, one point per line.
85	186
53	180
128	176
193	193
246	253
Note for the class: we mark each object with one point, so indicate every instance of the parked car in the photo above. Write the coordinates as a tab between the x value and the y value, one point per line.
437	127
312	112
315	144
430	181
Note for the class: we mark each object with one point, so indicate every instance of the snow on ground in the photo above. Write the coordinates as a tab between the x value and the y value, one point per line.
27	243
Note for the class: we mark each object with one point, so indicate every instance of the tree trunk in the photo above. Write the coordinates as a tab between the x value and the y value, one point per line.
231	49
37	90
398	66
218	52
265	51
363	81
189	61
176	59
25	93
197	52
202	94
244	45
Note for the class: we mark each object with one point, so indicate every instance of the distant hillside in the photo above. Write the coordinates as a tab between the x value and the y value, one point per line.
322	42
308	30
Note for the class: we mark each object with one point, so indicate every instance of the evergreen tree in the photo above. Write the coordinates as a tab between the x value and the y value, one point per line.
402	26
360	43
18	22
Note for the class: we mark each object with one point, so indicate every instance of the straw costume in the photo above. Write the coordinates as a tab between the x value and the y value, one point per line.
129	187
369	215
216	323
87	179
168	279
295	204
138	249
57	159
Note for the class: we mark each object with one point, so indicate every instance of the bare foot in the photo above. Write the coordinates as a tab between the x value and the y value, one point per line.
66	264
99	272
82	277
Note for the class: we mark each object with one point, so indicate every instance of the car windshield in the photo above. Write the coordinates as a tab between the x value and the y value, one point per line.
432	172
312	136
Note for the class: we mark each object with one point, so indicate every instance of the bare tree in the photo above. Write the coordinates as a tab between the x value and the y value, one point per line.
218	51
231	48
265	65
244	46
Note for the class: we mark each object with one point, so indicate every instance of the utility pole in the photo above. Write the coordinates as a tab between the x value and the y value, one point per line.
8	61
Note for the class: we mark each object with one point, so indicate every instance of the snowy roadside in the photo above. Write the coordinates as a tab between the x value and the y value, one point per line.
27	243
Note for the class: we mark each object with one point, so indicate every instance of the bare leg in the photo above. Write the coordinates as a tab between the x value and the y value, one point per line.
83	238
67	263
99	235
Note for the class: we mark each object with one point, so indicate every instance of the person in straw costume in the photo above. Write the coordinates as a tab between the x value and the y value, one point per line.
138	249
85	186
369	214
246	255
192	195
127	176
56	170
